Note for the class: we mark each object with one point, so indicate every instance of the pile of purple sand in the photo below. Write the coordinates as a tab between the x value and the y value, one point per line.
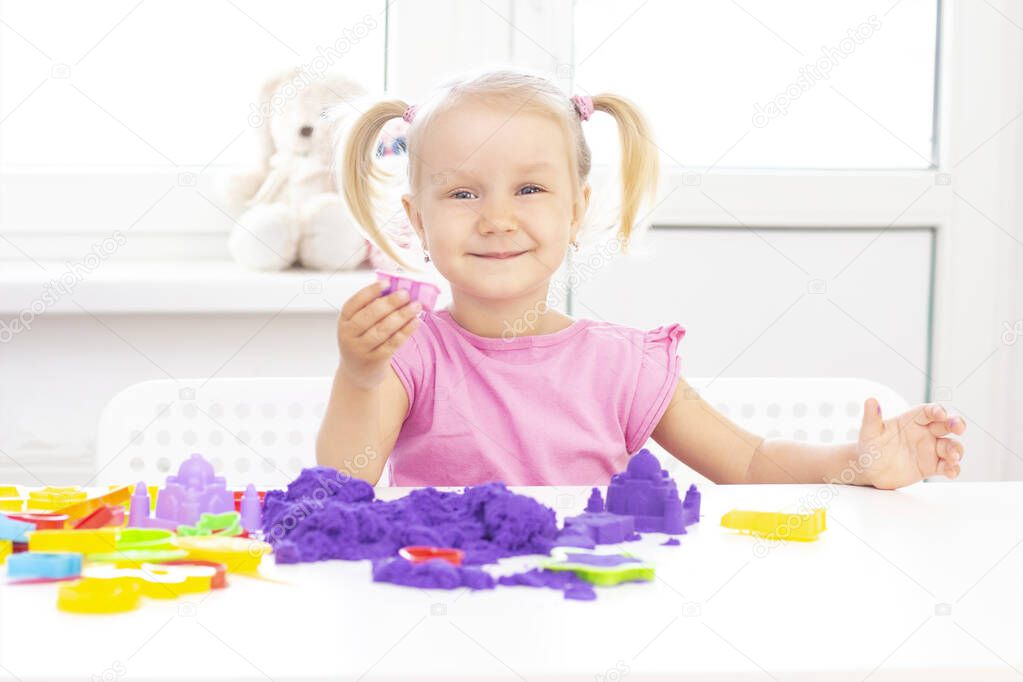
325	514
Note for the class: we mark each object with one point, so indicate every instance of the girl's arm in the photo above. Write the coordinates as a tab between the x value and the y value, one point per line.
888	454
368	402
361	426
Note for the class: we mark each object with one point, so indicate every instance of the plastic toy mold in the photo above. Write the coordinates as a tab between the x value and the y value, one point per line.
226	523
100	595
44	565
90	541
159	581
239	555
422	554
13	530
41	520
418	290
600	569
54	497
195	490
114	498
777	526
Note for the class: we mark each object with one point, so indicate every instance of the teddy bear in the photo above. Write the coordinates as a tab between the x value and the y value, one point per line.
288	210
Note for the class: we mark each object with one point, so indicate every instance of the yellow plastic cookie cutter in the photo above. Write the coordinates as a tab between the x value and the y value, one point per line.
157	581
239	555
81	508
6	547
100	595
10	499
50	497
777	525
86	541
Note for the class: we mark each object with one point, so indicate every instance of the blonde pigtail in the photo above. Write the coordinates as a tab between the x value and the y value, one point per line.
361	175
640	163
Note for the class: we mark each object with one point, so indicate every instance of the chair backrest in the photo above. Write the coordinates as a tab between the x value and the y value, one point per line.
253	430
263	430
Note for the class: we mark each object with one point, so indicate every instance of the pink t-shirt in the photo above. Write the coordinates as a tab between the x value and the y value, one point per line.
566	408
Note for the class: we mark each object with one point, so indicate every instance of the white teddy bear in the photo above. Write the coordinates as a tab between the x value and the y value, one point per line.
290	210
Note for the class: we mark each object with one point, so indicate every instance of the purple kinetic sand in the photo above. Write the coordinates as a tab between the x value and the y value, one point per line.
575	537
596	502
646	492
671	542
325	514
691	506
435	573
571	585
602	560
604	528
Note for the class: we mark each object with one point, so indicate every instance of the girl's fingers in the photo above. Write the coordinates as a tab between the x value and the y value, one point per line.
398	338
386	329
365	319
954	425
948	470
360	300
948	450
929	412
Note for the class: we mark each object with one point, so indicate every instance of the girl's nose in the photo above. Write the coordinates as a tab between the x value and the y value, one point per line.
497	216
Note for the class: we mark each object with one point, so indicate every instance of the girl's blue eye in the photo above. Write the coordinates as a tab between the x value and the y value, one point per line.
533	187
462	191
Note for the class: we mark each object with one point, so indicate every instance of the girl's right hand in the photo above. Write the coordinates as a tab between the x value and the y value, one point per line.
370	329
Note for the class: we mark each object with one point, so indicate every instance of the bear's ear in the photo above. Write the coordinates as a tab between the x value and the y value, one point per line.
270	107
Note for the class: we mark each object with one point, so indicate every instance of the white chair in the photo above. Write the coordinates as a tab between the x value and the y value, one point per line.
263	431
253	430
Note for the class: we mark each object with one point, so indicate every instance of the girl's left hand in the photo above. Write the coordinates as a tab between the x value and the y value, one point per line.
907	448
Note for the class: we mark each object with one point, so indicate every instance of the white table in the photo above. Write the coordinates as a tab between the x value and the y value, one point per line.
921	583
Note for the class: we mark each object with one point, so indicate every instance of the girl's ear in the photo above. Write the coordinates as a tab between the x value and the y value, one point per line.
414	219
579	209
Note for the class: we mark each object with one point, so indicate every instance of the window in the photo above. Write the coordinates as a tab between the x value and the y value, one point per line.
162	84
816	84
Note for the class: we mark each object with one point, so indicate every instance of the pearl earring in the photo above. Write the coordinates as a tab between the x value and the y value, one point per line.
426	256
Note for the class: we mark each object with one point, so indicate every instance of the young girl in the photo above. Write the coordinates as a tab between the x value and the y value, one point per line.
498	188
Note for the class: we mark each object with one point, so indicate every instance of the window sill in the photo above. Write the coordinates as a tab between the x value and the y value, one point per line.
171	287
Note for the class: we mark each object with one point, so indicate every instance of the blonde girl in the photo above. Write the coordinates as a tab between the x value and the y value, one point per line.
498	187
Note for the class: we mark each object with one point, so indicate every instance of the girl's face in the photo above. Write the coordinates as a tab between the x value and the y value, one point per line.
496	204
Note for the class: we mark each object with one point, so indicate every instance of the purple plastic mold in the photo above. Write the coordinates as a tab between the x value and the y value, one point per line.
251	509
195	490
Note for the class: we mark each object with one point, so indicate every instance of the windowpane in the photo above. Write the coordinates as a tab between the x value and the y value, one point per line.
155	83
748	83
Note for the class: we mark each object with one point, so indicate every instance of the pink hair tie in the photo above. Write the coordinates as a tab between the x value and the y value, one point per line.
410	113
584	105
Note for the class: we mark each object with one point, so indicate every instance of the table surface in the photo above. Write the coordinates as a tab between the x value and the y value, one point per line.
921	583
